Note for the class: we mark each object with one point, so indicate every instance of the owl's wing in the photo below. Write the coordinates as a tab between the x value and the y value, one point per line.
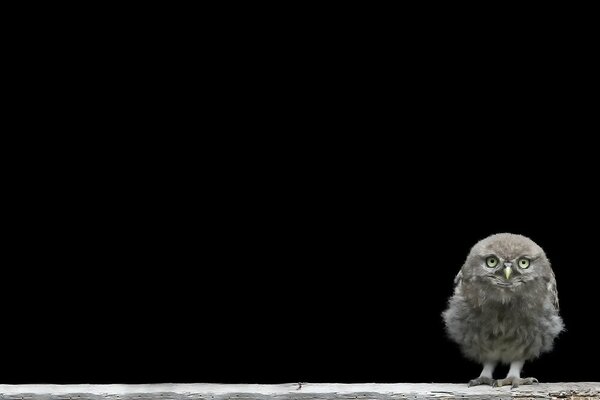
553	291
458	278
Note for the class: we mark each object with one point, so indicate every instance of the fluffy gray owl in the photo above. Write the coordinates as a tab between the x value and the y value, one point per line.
504	307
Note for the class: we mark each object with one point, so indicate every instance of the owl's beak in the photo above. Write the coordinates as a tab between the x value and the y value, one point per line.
507	272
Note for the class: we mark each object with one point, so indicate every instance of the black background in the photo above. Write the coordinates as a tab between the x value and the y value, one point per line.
304	221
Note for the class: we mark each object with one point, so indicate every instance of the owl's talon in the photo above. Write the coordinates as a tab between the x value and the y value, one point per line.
482	380
515	382
526	381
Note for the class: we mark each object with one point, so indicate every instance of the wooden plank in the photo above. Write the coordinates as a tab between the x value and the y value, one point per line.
304	391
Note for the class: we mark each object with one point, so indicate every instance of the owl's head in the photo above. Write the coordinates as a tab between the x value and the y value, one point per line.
506	263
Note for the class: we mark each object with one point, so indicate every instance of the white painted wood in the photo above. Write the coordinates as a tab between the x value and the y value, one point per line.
577	390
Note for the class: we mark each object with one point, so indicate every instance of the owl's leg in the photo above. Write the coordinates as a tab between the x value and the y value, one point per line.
486	375
514	376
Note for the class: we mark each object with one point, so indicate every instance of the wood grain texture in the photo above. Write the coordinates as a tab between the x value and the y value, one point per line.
307	391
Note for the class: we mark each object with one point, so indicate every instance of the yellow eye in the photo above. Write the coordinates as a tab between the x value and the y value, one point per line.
491	261
523	263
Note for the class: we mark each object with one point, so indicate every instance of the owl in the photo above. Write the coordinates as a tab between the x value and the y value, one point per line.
505	307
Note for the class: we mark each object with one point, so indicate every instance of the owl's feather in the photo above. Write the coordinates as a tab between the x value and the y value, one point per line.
554	292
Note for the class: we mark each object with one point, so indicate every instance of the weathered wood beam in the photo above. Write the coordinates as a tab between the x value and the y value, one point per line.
309	391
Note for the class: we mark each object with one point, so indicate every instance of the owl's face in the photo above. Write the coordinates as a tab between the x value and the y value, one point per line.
506	262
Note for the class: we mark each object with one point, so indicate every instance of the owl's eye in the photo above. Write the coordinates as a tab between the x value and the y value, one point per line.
491	261
523	263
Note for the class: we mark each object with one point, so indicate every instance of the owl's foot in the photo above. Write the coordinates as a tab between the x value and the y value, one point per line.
482	380
515	382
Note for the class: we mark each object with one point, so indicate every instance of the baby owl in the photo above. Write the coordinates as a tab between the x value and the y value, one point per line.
504	307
